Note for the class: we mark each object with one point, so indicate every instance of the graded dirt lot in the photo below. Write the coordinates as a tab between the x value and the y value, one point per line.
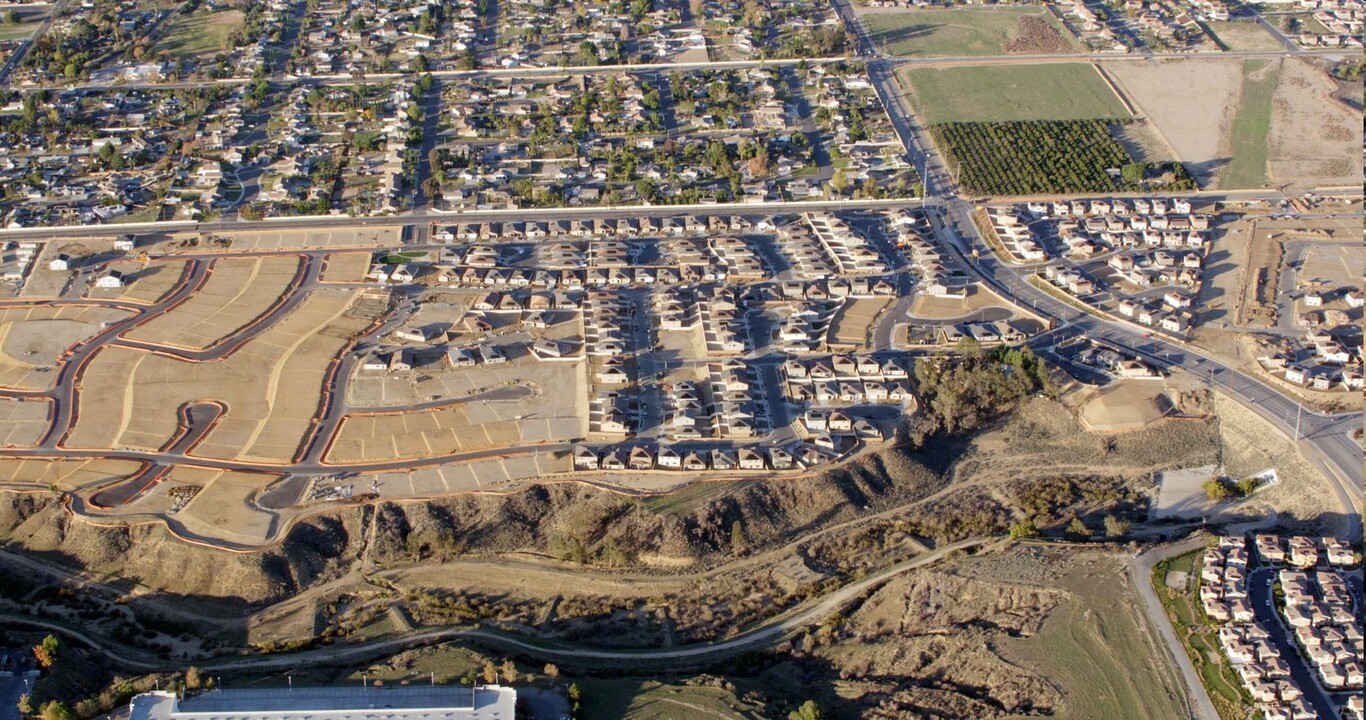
850	325
315	239
67	475
32	338
1315	139
929	307
1126	405
237	291
223	508
1190	103
22	422
143	285
967	31
999	93
346	267
271	387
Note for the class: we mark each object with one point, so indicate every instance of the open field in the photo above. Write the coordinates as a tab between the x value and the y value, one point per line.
237	291
1247	164
1243	36
19	30
998	93
1190	103
33	338
144	285
1090	646
967	31
315	239
199	34
1315	138
271	387
22	422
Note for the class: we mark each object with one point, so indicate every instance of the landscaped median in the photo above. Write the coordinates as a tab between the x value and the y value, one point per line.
1053	290
1198	633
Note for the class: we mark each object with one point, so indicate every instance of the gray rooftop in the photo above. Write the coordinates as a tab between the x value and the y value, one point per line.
426	702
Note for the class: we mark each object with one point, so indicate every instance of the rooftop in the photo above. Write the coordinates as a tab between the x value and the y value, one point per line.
333	703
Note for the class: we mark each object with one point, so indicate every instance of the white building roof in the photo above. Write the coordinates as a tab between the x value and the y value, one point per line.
434	702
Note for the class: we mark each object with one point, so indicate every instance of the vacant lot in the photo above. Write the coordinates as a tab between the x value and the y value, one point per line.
32	339
636	699
202	34
22	422
1191	105
224	509
996	93
238	291
929	307
64	474
850	325
1251	125
346	267
1126	405
955	32
271	387
1315	139
1243	36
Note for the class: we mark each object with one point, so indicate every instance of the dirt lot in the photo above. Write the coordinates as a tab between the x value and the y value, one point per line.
22	422
1315	138
271	387
1190	103
223	509
1244	36
346	267
144	285
237	291
1126	405
315	239
31	339
65	474
928	307
851	324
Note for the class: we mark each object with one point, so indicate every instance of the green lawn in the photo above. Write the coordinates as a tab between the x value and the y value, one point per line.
1251	124
201	34
631	699
18	31
1000	93
953	32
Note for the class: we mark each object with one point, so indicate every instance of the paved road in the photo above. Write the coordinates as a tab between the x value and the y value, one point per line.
1305	677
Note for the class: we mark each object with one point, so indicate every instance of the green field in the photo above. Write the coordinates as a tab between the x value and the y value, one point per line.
1251	125
1002	93
200	34
18	31
959	31
650	700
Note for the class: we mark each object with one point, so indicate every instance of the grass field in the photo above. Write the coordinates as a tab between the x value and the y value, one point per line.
649	700
200	34
1196	631
17	31
1247	143
952	32
998	93
1097	651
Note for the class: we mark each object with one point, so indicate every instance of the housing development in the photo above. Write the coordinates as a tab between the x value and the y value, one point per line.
681	358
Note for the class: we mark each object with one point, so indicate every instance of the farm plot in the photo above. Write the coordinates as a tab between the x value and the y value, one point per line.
969	31
1190	103
1023	158
22	422
33	338
271	387
238	291
999	93
143	285
1314	138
